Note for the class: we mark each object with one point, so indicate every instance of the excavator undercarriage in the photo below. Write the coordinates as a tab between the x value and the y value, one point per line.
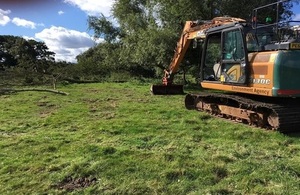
263	112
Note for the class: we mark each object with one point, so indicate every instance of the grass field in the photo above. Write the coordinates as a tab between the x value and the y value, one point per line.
117	138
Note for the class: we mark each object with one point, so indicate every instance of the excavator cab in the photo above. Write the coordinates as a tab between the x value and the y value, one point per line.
225	57
226	52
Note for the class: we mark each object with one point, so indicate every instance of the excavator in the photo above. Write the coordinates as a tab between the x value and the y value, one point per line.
251	70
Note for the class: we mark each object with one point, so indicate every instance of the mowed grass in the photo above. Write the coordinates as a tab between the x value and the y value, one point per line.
117	138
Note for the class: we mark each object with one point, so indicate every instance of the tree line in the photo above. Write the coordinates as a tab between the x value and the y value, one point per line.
27	62
139	39
141	35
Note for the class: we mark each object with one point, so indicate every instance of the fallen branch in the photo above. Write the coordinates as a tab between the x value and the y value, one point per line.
81	81
9	90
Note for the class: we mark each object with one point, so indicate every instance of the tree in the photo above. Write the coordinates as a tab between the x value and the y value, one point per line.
44	58
103	28
234	8
28	54
7	57
27	59
99	61
148	30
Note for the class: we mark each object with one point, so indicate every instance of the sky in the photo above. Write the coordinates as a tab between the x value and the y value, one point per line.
61	24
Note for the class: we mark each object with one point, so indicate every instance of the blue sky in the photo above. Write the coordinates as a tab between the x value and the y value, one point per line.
296	10
61	24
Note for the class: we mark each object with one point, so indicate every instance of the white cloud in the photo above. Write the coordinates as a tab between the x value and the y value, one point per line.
66	43
4	19
61	12
93	7
28	38
5	12
24	23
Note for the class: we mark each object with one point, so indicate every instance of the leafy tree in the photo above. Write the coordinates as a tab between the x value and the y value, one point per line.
103	28
98	61
28	54
7	57
234	8
28	58
147	30
172	14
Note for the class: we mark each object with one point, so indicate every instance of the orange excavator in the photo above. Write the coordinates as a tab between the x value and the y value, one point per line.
256	65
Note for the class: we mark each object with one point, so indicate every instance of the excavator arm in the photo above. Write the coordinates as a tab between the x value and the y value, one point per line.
182	45
188	34
192	30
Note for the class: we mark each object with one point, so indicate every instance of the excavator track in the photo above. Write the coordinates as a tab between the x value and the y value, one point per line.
264	112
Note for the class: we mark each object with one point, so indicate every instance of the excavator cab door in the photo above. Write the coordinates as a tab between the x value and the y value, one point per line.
234	62
225	58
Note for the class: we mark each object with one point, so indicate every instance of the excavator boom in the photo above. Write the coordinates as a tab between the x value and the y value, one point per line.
167	86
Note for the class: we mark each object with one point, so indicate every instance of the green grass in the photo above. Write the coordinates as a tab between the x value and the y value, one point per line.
135	143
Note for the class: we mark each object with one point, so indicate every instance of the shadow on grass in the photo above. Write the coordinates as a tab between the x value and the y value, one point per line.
293	134
193	87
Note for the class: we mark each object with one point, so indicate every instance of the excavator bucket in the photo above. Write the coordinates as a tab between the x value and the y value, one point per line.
167	89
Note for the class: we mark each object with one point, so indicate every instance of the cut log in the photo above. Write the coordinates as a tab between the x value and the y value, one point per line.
10	90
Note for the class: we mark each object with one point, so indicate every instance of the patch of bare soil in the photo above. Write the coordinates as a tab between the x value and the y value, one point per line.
46	107
71	184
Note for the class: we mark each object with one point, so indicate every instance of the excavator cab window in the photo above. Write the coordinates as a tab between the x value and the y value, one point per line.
233	48
212	58
258	39
225	57
234	60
